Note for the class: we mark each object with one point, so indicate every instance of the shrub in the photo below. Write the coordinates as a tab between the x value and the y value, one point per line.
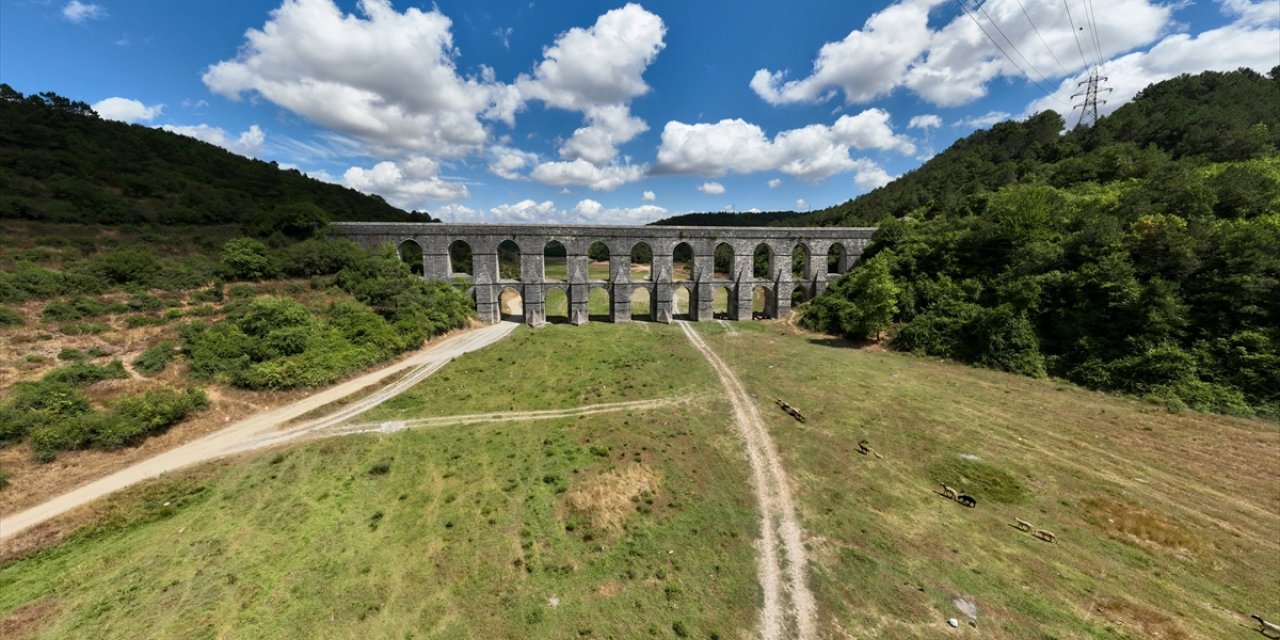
79	308
84	328
70	353
134	322
138	416
80	373
241	292
156	358
246	259
10	318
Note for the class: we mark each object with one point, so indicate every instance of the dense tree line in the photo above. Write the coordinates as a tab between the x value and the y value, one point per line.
1140	255
59	162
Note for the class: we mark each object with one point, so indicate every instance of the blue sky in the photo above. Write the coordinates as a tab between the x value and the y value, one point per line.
607	112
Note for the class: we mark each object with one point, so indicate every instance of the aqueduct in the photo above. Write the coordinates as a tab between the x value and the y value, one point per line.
681	258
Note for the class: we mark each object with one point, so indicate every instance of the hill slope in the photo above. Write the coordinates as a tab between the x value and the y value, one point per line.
60	163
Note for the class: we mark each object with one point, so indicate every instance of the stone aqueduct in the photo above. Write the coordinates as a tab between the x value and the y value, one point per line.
435	240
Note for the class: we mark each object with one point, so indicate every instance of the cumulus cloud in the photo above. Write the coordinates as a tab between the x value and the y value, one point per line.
127	110
925	121
248	143
649	196
954	64
775	183
409	185
384	77
585	211
508	162
1248	42
983	121
869	174
584	174
711	188
802	204
608	126
76	11
810	153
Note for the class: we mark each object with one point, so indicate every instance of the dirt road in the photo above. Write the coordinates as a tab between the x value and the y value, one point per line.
784	575
264	429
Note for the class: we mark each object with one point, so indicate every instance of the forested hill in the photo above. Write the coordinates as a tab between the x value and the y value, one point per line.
60	162
731	219
1211	117
1139	255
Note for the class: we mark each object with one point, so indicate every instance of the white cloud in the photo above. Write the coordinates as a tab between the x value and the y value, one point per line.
508	162
409	185
248	143
649	196
869	174
585	211
127	110
1245	43
925	121
711	188
810	153
584	174
76	11
954	64
504	36
983	121
802	204
608	126
775	183
1252	13
386	78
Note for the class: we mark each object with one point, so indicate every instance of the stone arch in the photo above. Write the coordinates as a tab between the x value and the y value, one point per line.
460	258
682	262
722	302
641	304
641	261
600	304
682	302
555	262
598	255
410	252
762	262
508	260
836	257
723	258
556	305
800	257
762	302
799	296
510	304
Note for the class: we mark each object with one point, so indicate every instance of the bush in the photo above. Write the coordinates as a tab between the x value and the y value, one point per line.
138	416
246	259
84	328
79	308
10	318
80	373
156	358
69	353
241	292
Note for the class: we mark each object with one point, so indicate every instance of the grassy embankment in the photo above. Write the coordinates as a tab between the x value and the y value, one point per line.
1164	523
617	525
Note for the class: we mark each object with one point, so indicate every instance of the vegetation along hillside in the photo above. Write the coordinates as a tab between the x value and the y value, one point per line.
1141	255
59	162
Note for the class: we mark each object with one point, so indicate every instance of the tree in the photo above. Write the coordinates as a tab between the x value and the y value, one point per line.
874	298
246	259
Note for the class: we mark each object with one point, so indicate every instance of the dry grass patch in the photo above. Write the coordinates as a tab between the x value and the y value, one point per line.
25	621
1138	621
606	500
1138	524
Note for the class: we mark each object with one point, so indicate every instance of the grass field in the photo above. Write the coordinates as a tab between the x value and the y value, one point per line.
642	524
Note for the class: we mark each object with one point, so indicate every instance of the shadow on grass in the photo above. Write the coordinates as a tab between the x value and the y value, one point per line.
845	343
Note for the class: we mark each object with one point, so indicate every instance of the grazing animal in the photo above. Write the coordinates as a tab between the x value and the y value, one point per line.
967	500
866	449
1267	628
1046	535
949	492
1023	524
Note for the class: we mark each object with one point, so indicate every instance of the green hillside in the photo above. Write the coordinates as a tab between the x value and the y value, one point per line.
59	162
1141	255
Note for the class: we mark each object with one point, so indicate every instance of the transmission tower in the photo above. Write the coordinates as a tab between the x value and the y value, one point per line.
1089	108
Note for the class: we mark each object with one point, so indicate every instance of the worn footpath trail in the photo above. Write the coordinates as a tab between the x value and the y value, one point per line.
264	429
783	568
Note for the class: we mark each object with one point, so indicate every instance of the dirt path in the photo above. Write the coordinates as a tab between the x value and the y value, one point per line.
263	429
779	529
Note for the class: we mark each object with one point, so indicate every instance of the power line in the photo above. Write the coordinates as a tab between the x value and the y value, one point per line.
1075	33
1004	53
1093	28
983	8
1042	40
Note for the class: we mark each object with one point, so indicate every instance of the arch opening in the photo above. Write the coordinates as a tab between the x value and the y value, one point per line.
511	305
762	262
798	297
556	306
761	303
599	305
723	262
460	258
555	262
682	262
835	258
800	261
721	298
681	303
641	305
641	261
410	253
509	260
598	262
